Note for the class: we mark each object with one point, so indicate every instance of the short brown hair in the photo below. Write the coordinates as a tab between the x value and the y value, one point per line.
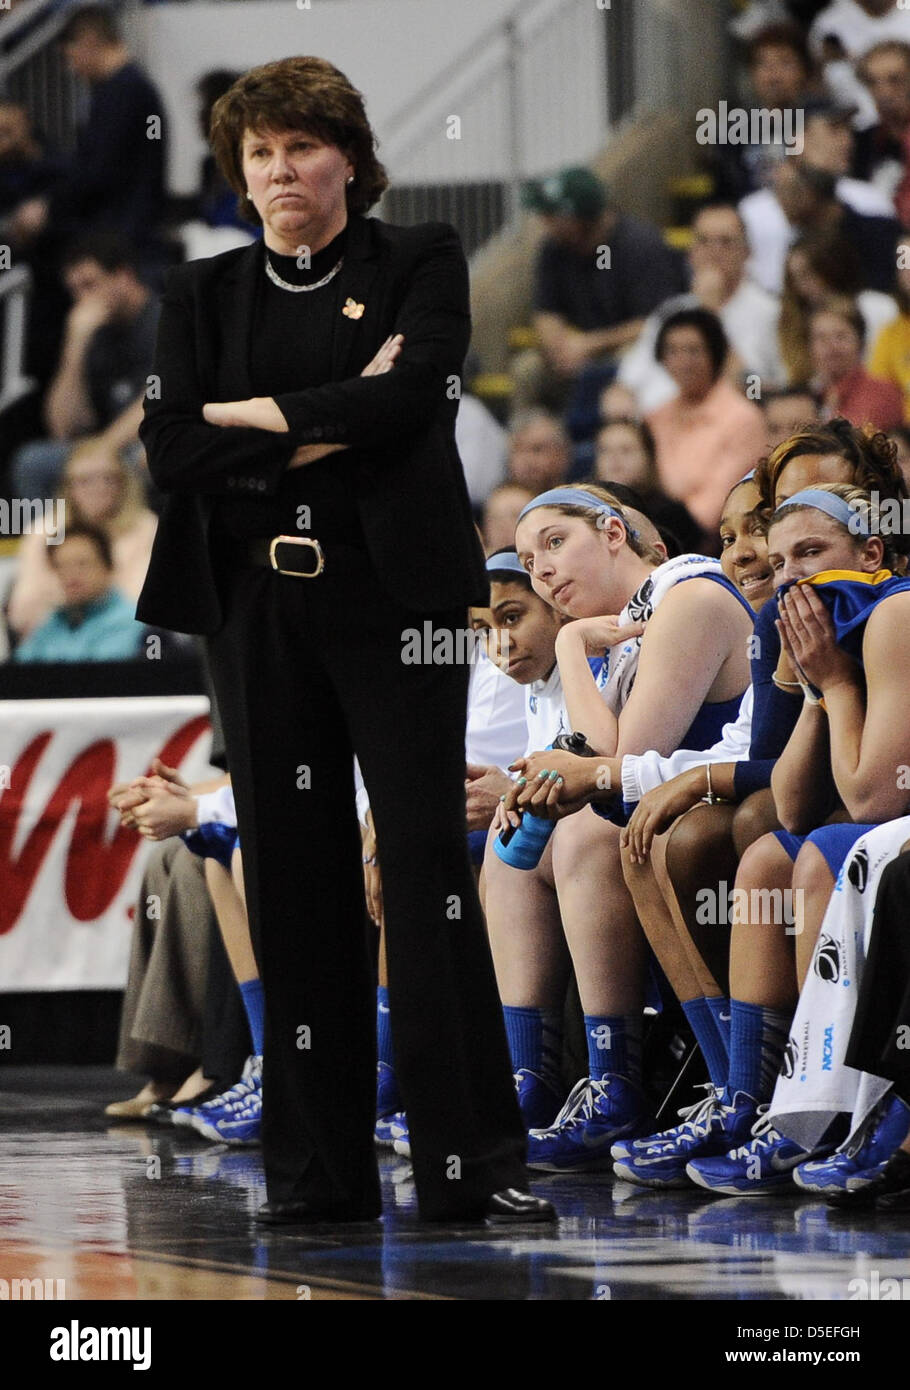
297	94
89	532
871	455
895	46
782	35
841	306
97	20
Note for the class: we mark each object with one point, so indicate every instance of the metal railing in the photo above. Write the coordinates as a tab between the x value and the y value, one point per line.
15	285
509	90
33	72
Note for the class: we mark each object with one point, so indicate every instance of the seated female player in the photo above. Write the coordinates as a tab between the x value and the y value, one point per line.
844	624
677	668
704	842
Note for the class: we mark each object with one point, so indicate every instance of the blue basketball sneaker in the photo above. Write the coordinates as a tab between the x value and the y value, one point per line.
239	1123
401	1138
538	1102
711	1126
764	1164
388	1104
249	1084
598	1111
861	1158
390	1127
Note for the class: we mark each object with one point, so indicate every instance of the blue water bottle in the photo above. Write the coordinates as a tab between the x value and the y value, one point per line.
522	846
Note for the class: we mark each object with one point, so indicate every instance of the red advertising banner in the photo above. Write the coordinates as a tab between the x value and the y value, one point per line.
69	873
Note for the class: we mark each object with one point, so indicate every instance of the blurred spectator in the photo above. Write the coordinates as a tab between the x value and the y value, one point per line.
889	358
820	265
710	435
500	515
25	169
786	412
804	199
829	143
481	442
836	341
842	33
599	273
901	438
212	219
879	155
540	454
858	24
717	259
107	353
98	490
780	70
115	179
217	200
95	622
618	402
625	454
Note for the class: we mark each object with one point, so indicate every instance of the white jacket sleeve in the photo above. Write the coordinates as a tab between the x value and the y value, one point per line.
641	772
362	796
217	806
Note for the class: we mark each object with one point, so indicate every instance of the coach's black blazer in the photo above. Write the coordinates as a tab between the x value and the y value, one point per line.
406	479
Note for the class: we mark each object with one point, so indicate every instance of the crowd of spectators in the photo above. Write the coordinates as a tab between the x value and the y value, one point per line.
97	231
797	252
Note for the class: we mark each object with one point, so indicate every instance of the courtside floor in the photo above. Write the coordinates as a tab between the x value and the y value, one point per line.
124	1212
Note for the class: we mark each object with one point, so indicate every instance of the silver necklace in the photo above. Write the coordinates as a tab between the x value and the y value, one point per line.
276	279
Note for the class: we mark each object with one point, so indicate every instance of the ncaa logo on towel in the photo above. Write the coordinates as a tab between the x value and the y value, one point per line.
827	960
858	870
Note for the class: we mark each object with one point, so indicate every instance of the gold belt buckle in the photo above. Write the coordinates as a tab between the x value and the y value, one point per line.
297	540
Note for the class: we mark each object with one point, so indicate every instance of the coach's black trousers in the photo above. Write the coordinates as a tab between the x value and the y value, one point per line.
306	672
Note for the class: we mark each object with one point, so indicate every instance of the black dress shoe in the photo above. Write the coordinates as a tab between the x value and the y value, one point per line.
511	1206
890	1191
303	1214
892	1187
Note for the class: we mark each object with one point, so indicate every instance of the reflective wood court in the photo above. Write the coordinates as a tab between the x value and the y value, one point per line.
128	1212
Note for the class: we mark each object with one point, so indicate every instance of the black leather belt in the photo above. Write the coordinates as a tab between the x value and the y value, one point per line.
301	556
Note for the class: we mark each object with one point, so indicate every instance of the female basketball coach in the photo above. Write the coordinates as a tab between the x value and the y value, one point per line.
301	421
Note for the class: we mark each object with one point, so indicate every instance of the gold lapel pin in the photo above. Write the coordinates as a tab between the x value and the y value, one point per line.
352	309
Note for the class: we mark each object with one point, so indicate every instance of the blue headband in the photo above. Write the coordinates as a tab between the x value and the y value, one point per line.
832	505
507	560
576	497
747	477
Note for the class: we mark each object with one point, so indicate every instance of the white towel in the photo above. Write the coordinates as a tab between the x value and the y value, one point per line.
618	674
815	1084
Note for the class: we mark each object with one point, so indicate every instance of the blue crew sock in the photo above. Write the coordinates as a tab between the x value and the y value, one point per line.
701	1021
720	1012
614	1045
535	1041
385	1051
758	1036
254	1003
